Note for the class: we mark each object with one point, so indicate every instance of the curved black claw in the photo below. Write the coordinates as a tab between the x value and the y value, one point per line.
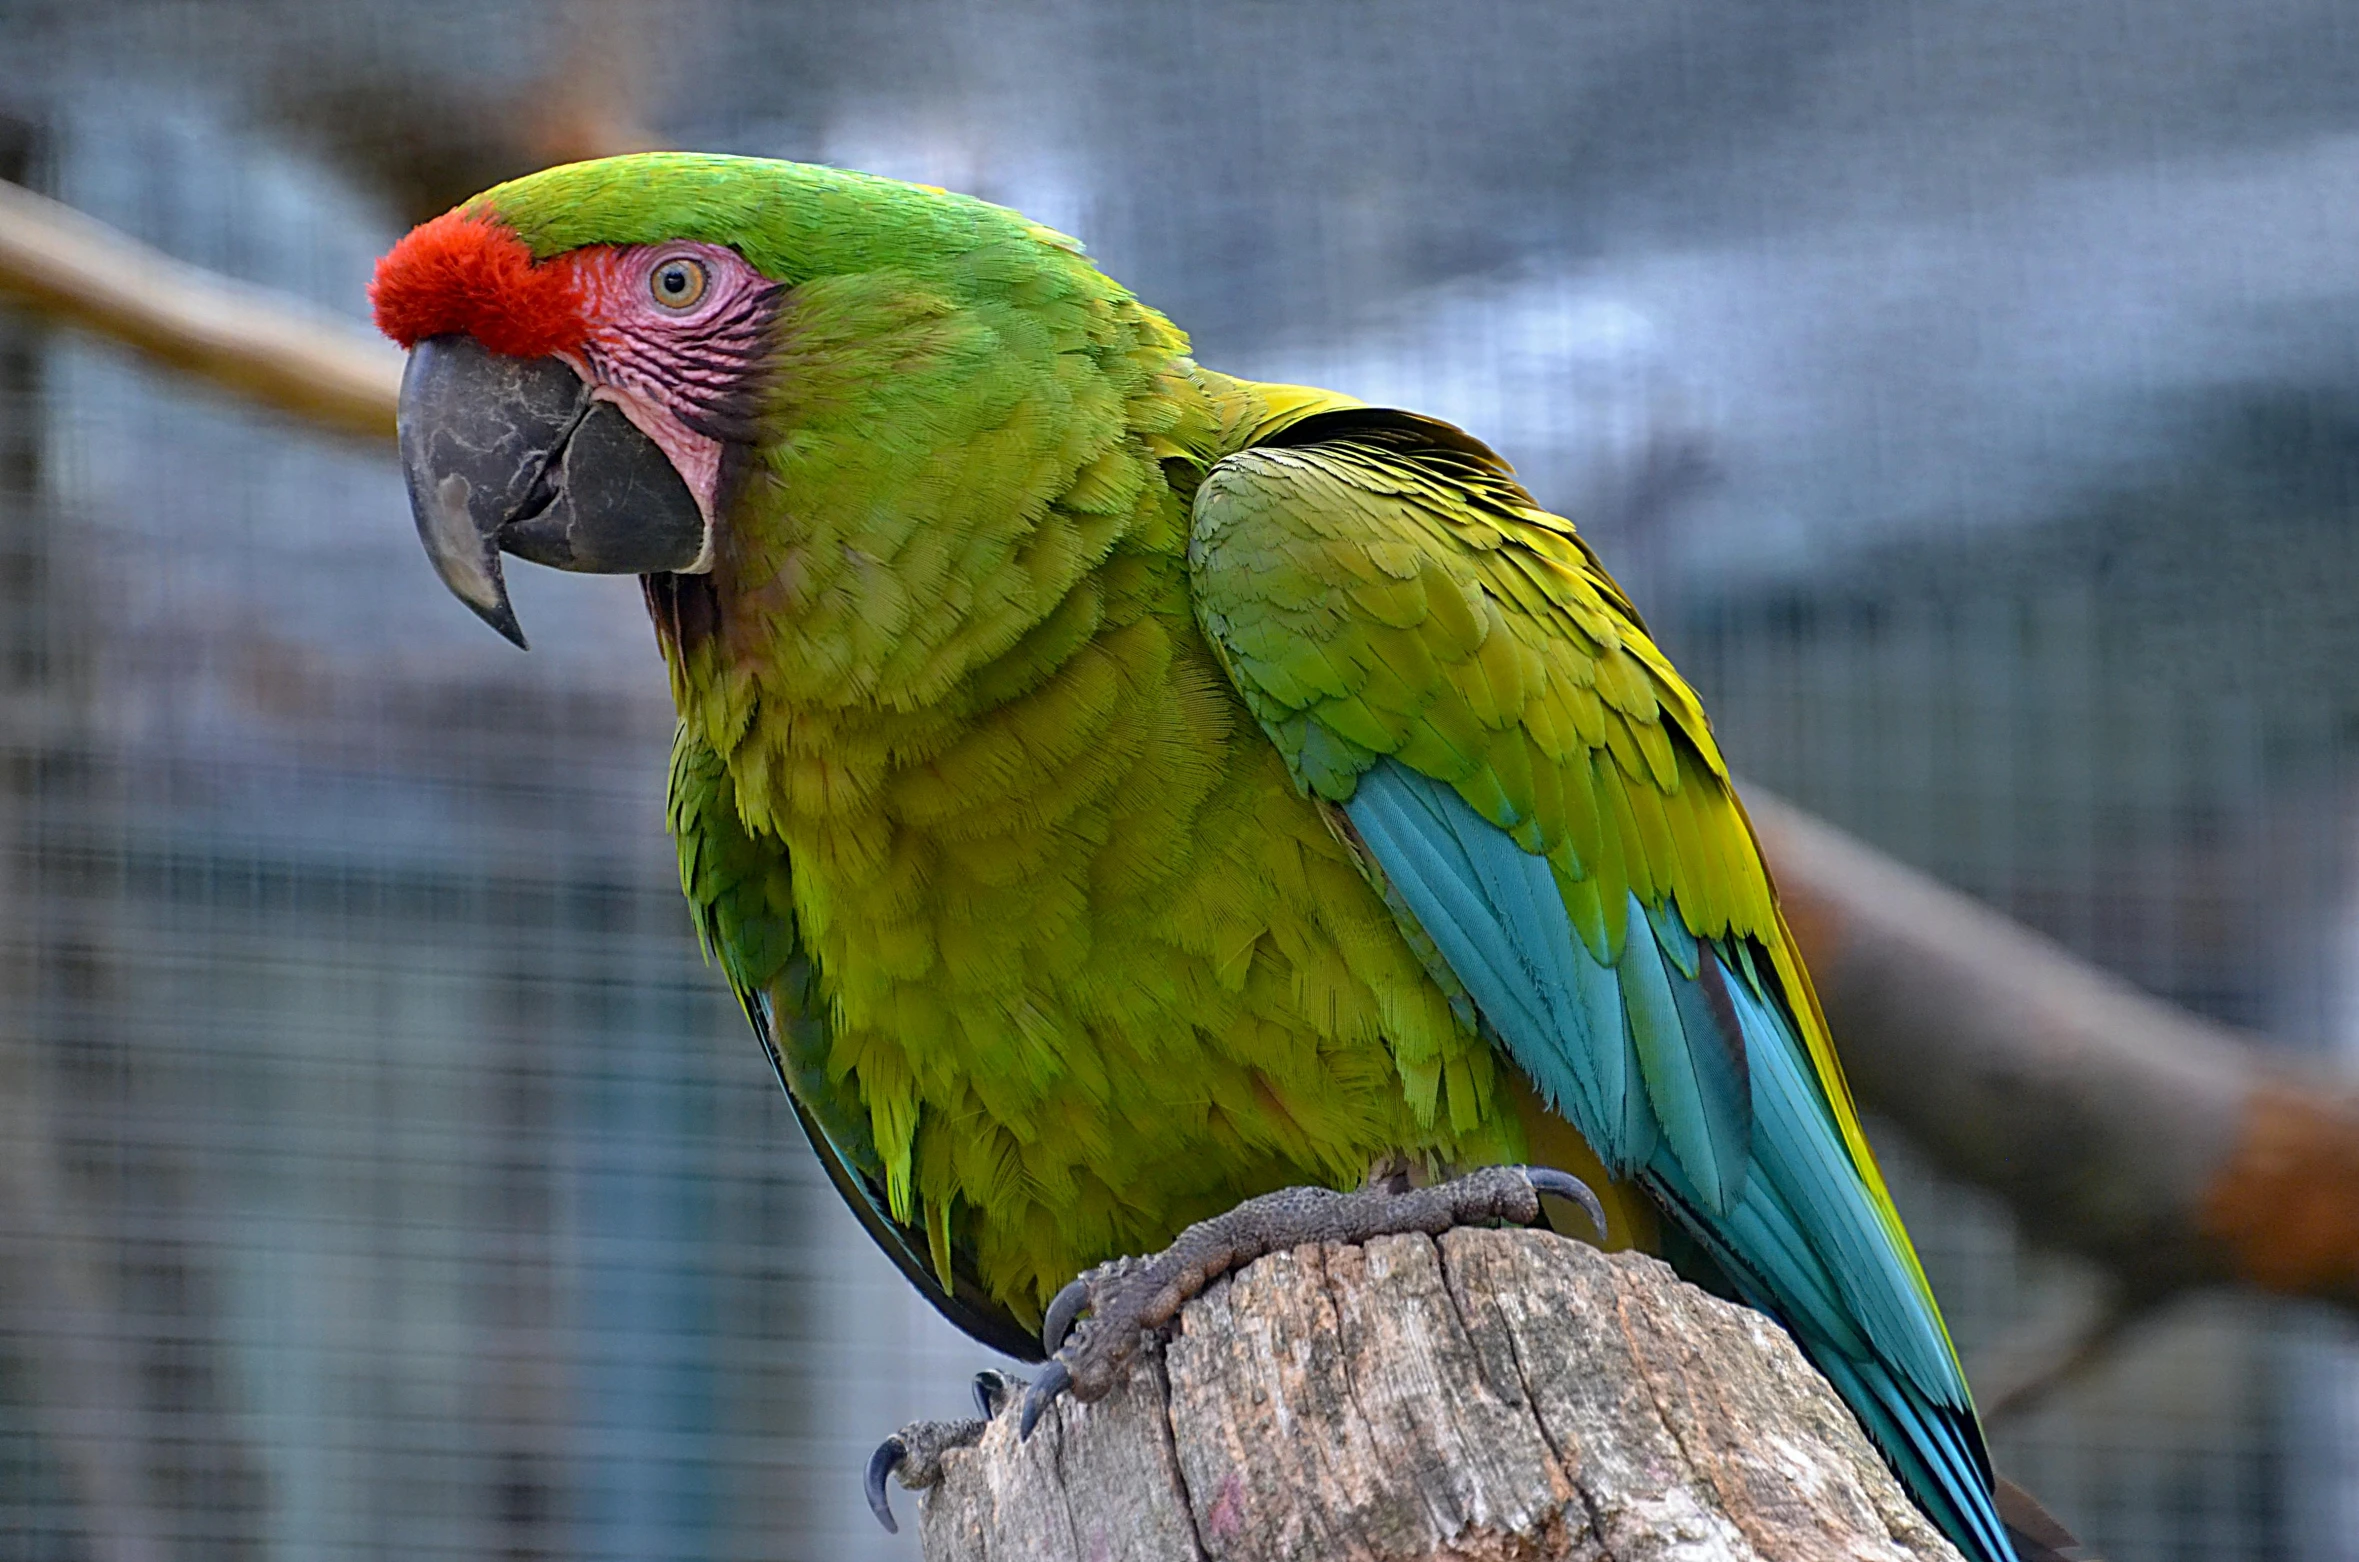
1564	1185
1063	1308
882	1463
1043	1393
991	1389
914	1456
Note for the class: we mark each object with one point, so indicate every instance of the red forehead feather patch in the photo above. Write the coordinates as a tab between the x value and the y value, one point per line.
464	272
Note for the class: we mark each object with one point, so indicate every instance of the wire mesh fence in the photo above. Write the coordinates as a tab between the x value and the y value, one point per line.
382	1172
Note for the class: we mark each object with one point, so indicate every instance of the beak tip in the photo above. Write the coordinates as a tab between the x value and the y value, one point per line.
517	456
509	629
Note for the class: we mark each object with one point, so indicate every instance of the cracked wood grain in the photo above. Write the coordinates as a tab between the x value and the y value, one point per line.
1490	1396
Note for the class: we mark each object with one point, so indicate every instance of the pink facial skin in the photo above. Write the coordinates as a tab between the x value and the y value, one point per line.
684	376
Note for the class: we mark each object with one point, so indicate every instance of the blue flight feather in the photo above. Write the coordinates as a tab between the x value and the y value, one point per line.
1671	932
1559	1013
1701	1102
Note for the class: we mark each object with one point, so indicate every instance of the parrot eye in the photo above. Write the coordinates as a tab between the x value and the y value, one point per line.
677	283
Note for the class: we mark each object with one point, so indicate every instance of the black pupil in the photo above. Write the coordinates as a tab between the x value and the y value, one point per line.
675	280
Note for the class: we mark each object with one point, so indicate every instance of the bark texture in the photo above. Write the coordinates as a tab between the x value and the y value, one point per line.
1490	1396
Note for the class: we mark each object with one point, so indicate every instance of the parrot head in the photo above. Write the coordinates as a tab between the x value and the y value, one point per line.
572	411
594	350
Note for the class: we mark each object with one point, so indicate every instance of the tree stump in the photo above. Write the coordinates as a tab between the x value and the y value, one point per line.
1493	1396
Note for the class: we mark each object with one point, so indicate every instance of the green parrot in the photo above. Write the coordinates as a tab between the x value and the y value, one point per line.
1116	790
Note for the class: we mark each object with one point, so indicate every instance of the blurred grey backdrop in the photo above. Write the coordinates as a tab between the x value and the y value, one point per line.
1967	389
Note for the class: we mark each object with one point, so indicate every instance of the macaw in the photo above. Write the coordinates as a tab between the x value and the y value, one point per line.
1115	790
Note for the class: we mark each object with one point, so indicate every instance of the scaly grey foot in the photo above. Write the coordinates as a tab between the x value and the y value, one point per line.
914	1454
1129	1295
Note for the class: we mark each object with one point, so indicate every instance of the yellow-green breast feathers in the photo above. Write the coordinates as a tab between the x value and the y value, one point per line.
1087	963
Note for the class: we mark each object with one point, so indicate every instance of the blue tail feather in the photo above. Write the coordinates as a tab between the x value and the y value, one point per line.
1732	1134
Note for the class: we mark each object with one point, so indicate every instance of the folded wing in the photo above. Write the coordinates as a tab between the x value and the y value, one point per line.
1540	794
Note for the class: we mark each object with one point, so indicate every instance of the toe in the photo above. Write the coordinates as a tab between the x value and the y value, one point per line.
913	1455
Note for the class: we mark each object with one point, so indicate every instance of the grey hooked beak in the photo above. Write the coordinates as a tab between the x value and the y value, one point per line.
513	455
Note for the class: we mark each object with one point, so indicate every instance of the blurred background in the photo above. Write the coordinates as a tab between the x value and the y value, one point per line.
1968	390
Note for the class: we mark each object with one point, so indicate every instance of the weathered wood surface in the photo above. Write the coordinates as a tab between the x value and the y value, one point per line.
1493	1396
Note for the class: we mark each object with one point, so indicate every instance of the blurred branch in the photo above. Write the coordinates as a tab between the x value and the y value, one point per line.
2175	1151
420	140
62	266
2031	1362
